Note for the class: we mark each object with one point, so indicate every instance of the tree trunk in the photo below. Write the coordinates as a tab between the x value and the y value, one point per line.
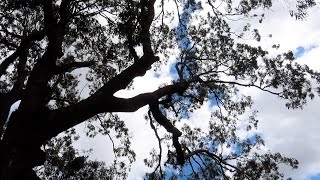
20	148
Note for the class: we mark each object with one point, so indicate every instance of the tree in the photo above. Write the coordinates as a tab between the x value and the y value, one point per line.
44	43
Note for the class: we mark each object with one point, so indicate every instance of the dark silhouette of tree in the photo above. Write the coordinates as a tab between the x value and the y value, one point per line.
44	42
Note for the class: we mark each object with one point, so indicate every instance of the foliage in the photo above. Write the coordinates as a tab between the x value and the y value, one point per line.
65	162
49	46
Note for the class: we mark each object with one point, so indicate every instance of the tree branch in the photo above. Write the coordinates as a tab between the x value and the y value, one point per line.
147	15
6	62
131	49
103	100
159	143
241	84
24	45
163	121
121	81
21	71
64	118
213	156
71	66
9	45
37	87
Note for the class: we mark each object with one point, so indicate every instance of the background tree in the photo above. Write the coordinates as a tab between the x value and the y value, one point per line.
44	43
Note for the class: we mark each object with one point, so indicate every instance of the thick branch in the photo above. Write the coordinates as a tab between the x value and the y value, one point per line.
134	103
6	62
71	66
131	49
62	119
147	15
37	86
25	43
141	65
22	72
104	101
121	81
163	121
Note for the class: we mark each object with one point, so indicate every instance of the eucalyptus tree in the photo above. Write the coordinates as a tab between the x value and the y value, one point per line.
48	46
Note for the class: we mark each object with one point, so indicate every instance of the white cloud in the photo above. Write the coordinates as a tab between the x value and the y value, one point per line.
294	133
286	30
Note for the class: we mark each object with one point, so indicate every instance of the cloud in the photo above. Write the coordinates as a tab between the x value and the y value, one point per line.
294	133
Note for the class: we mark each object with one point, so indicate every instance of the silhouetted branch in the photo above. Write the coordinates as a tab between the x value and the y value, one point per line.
71	66
163	121
22	49
216	158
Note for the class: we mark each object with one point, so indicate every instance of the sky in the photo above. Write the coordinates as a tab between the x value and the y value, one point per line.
293	133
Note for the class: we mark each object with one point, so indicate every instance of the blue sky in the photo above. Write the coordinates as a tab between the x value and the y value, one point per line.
315	177
300	51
